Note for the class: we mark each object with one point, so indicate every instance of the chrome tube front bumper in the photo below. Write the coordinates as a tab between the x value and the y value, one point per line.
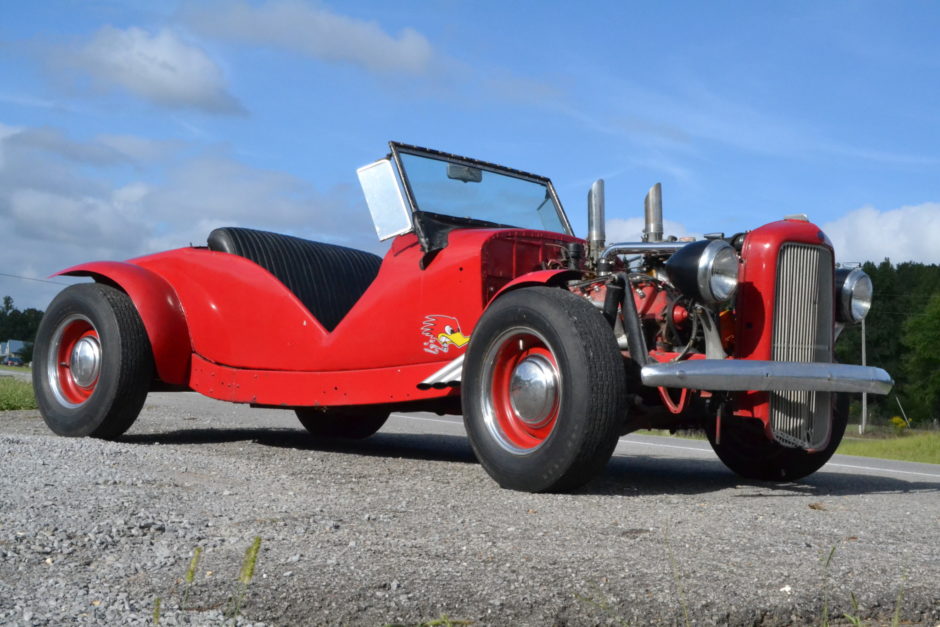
742	374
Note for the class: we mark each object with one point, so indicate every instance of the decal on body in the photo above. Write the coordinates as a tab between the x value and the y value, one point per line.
442	332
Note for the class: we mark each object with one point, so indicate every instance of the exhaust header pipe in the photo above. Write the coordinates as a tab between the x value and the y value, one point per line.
653	205
596	231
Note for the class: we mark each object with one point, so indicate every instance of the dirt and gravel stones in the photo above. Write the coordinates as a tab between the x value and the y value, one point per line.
405	527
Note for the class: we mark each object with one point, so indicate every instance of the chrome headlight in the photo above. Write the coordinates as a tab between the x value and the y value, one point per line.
706	270
854	291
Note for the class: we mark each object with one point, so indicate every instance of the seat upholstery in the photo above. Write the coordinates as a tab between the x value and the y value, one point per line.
326	278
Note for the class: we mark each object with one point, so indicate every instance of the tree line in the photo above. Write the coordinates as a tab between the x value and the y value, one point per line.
903	337
19	325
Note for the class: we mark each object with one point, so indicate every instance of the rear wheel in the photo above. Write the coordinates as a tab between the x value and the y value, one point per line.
745	449
344	423
544	390
92	362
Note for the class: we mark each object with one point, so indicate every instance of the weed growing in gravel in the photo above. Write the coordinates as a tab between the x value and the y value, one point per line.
825	591
245	576
896	619
191	575
854	617
604	607
156	611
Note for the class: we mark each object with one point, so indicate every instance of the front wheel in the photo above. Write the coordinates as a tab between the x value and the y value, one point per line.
92	362
745	449
543	391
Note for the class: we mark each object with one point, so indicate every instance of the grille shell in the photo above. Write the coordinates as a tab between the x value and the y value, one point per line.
802	332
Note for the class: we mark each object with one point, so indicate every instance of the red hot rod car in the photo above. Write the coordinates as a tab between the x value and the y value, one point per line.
486	304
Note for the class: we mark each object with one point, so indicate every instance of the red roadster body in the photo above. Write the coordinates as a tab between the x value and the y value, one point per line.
486	304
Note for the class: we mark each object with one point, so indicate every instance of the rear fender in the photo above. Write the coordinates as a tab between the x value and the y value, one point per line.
159	308
539	277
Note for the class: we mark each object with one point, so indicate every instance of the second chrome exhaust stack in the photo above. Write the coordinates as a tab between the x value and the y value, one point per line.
653	210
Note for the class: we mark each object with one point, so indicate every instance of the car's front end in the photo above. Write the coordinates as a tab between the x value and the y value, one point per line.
732	334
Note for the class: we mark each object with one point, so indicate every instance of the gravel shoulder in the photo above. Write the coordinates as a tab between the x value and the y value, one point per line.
406	527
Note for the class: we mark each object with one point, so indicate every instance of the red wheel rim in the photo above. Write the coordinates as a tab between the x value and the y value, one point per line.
74	361
522	391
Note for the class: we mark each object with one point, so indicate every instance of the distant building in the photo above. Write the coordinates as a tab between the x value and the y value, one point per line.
11	347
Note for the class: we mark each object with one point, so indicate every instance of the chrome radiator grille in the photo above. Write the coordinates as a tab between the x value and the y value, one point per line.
802	332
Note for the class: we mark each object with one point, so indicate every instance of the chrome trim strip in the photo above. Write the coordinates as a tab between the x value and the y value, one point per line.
635	248
447	376
740	375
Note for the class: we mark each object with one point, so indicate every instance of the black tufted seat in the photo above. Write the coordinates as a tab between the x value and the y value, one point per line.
326	278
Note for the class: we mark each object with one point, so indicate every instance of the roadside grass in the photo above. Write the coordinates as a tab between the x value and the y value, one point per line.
883	443
15	368
922	446
16	394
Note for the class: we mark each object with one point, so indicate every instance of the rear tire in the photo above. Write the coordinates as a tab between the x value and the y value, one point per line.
93	364
544	390
341	423
746	450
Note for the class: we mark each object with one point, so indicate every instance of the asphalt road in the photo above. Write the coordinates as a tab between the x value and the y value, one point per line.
406	527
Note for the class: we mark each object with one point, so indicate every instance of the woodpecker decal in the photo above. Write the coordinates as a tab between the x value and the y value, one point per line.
442	332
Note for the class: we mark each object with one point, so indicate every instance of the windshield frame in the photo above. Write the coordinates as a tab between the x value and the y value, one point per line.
426	222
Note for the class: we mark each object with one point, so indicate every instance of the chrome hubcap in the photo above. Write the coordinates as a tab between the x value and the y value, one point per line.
85	361
533	390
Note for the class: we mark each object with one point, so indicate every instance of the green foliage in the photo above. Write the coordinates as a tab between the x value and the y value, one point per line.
16	394
903	337
18	325
26	353
921	363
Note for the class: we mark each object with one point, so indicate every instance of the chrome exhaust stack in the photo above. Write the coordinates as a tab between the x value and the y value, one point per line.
596	231
653	206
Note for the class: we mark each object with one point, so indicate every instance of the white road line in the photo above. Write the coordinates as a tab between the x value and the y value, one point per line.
624	440
446	422
891	470
684	448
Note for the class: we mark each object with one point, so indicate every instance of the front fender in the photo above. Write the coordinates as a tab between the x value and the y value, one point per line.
539	277
159	308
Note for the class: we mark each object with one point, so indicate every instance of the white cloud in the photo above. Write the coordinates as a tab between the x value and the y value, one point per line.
159	67
317	32
54	141
910	233
62	202
631	229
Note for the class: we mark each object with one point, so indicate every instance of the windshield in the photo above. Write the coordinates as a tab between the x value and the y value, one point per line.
472	190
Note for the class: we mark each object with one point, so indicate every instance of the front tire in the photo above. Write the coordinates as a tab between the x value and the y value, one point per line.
93	364
544	390
746	450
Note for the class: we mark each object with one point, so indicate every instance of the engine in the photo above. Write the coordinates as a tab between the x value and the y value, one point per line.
739	327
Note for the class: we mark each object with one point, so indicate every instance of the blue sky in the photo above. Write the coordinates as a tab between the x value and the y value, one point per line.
131	127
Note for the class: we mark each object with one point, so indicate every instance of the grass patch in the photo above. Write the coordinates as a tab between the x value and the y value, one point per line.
16	394
921	447
15	368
